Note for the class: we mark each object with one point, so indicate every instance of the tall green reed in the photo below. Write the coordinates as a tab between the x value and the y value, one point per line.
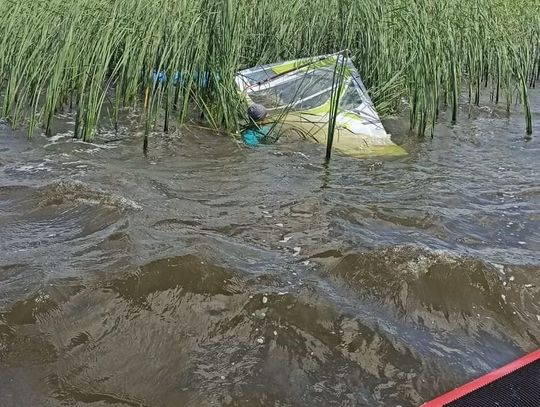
422	56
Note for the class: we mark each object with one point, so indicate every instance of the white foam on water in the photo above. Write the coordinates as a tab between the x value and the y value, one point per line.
32	169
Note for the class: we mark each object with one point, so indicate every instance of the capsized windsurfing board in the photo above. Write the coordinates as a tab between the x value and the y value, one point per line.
298	95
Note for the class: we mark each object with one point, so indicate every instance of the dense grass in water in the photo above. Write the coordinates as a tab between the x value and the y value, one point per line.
98	56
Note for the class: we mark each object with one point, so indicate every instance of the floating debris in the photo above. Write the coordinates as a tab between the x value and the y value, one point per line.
297	251
285	239
260	340
264	300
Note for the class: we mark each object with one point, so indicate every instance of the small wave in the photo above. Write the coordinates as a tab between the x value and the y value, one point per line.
57	137
32	168
67	137
68	191
173	224
188	273
96	146
435	289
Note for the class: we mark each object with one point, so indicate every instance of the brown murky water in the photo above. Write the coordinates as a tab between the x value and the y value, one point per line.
209	274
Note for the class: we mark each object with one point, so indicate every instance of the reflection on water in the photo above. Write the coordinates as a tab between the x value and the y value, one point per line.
208	274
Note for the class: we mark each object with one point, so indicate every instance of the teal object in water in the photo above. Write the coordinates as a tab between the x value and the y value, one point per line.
254	137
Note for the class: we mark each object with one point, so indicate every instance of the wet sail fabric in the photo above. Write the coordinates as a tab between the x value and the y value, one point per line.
298	95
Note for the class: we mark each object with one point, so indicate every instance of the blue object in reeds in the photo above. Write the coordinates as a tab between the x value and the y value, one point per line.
254	136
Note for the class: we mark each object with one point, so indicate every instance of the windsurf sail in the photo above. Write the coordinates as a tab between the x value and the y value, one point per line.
298	95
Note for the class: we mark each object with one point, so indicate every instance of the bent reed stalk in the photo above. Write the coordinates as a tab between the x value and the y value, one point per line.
85	54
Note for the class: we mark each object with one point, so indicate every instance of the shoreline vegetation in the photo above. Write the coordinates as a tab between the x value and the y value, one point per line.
93	57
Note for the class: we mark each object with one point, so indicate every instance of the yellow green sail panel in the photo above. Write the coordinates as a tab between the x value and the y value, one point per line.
297	94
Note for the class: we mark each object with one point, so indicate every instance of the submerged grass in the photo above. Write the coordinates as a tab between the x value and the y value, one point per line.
88	54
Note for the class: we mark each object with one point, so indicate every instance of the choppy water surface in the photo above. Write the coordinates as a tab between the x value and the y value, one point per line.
209	274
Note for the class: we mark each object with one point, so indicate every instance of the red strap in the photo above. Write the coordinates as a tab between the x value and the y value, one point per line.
483	381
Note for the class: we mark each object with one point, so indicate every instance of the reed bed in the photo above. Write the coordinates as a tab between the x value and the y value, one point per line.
92	56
